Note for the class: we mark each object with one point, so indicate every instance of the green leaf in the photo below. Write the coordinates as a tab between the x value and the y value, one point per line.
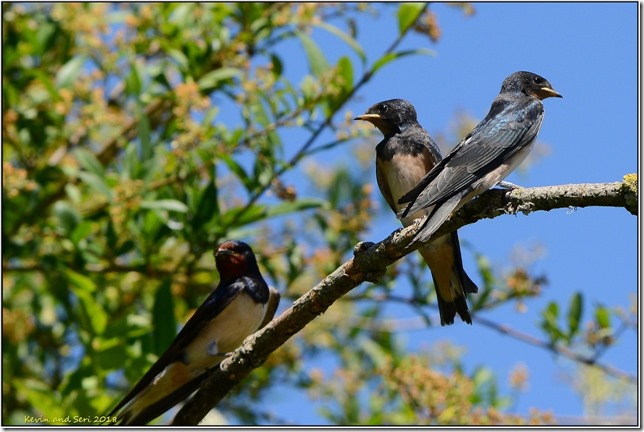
147	152
73	193
68	217
374	351
484	387
165	323
134	81
485	270
183	15
481	376
153	221
180	58
207	207
81	232
551	314
211	80
388	58
345	82
243	216
239	216
248	182
345	68
47	81
407	14
259	114
317	62
295	206
68	73
40	398
602	316
550	324
96	182
45	36
575	310
91	312
110	355
95	314
89	162
165	204
309	88
278	67
77	280
131	163
348	39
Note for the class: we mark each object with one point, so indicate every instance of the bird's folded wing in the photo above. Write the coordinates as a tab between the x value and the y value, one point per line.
437	217
273	302
159	407
217	301
491	143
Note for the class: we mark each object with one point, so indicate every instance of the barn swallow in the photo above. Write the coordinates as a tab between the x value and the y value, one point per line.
403	157
495	147
241	304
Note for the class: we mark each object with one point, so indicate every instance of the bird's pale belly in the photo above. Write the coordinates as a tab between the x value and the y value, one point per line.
402	175
225	332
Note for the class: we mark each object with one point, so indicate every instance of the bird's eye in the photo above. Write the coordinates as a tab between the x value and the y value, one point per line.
537	80
383	108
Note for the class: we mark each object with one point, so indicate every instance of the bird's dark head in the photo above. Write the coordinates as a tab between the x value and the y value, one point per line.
530	84
390	116
234	258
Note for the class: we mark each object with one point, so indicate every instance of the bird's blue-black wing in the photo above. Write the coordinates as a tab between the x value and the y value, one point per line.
493	142
216	302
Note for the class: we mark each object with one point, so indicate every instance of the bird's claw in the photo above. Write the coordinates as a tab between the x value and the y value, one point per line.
362	246
508	185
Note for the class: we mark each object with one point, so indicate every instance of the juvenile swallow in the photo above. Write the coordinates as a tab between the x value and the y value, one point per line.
241	304
403	157
495	147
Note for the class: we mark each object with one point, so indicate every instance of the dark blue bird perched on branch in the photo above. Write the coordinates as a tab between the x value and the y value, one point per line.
403	157
494	148
241	304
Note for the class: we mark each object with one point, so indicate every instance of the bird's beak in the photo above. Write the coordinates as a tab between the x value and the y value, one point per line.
368	117
546	92
229	257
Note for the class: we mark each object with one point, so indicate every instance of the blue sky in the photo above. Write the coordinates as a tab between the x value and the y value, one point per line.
588	52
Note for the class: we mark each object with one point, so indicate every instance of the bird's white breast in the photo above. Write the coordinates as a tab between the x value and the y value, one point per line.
225	332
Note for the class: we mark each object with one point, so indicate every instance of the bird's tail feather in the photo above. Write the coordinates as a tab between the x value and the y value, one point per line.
468	285
436	219
443	256
149	413
448	310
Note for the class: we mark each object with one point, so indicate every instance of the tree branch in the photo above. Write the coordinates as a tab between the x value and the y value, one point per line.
417	323
557	350
369	263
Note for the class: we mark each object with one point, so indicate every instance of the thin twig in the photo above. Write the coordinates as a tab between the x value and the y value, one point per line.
559	350
302	152
509	331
